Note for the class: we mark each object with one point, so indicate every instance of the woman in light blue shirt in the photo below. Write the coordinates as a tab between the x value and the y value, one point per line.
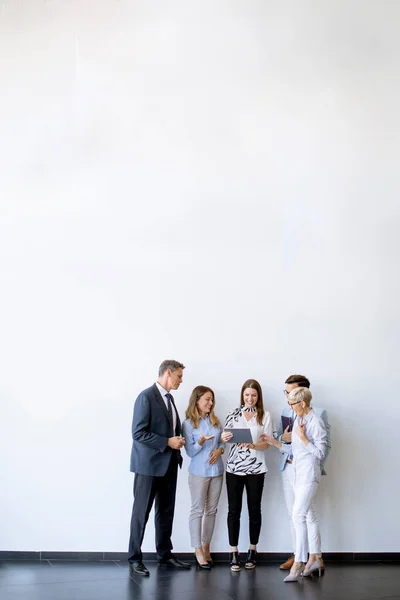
202	431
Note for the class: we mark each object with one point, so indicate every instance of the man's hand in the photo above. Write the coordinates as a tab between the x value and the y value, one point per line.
214	456
204	438
287	436
176	442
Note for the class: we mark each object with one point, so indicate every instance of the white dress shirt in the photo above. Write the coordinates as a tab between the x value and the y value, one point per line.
163	392
307	457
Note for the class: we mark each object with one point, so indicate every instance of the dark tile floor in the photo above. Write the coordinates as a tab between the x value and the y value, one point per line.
111	581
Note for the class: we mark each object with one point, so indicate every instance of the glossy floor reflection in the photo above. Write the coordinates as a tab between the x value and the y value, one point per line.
112	581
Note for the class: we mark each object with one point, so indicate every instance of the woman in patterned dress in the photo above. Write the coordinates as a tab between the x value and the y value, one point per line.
246	468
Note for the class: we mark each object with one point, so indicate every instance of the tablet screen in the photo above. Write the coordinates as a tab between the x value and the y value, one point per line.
240	436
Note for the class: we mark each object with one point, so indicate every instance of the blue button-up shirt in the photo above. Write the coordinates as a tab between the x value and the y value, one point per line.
200	455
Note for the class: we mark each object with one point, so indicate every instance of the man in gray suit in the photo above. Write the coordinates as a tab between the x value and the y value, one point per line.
157	440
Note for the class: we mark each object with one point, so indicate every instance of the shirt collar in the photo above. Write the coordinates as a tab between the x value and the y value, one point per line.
308	416
161	389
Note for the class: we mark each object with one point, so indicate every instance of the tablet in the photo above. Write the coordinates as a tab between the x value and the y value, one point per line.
240	436
287	422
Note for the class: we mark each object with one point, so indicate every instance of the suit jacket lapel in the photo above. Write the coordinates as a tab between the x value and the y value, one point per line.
160	400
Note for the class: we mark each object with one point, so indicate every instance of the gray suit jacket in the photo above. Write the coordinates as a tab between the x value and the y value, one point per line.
151	429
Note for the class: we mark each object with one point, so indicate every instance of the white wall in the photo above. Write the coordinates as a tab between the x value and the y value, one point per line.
212	181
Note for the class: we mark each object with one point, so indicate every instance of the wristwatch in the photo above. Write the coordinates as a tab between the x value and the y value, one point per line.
222	450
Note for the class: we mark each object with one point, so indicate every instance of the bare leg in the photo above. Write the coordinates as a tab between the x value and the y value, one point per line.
206	551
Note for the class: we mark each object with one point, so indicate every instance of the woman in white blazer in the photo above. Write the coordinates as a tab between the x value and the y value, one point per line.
308	447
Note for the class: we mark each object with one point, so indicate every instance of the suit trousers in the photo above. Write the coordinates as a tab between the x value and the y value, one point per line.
205	493
311	516
235	485
147	490
304	495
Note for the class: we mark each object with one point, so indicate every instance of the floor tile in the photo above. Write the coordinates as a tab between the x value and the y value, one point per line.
61	574
69	580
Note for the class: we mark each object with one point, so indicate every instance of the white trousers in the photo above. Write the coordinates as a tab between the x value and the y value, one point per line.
205	493
311	519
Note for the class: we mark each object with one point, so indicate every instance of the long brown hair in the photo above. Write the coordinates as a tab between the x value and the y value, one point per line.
252	383
192	411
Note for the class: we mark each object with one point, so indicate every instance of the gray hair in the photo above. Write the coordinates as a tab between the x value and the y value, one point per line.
174	365
301	394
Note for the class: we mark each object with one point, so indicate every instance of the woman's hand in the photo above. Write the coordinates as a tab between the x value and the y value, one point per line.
204	438
301	431
269	439
226	436
214	456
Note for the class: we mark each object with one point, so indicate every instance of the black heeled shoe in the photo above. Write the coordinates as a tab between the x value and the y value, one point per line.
251	559
204	566
234	561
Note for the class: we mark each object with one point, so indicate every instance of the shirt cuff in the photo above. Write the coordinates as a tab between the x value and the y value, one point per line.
285	448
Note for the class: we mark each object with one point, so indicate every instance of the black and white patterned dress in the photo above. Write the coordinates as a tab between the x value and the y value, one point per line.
246	461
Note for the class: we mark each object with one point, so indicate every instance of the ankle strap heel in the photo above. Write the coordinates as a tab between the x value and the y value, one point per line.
251	559
234	561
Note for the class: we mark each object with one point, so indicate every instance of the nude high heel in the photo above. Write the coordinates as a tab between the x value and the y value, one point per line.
295	572
315	566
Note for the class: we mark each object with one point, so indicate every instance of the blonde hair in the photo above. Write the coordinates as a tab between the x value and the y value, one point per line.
192	411
301	394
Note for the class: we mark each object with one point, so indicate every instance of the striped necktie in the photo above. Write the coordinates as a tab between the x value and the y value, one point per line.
170	398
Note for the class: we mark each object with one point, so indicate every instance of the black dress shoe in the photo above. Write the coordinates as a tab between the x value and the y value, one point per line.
139	568
173	563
